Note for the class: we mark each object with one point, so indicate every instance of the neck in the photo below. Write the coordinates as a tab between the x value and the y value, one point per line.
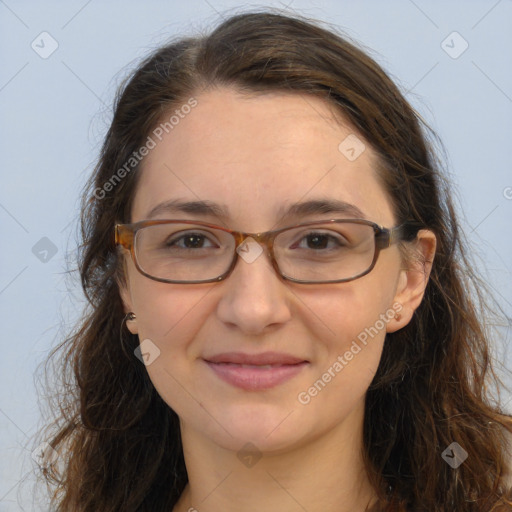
325	474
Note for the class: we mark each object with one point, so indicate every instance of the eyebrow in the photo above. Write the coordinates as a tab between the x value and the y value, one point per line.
296	210
322	206
197	208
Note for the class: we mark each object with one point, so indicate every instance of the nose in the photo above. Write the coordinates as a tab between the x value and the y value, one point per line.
254	298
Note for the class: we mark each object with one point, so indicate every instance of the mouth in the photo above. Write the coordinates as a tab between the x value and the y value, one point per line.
255	372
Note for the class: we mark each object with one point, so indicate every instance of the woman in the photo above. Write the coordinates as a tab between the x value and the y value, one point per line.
281	311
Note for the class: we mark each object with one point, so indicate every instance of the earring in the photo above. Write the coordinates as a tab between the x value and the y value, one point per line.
398	315
125	336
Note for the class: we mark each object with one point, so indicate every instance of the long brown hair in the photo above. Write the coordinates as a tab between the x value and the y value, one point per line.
119	442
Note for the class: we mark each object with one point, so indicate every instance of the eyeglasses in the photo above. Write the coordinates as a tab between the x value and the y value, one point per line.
331	251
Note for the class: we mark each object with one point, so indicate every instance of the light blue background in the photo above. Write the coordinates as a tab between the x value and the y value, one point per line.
54	113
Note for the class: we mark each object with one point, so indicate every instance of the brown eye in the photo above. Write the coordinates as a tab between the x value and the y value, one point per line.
318	240
190	241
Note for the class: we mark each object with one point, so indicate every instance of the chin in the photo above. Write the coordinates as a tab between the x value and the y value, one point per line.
270	428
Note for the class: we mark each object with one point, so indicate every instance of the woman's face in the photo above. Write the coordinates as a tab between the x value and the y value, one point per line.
255	157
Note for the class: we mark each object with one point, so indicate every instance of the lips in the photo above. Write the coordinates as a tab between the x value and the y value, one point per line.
266	358
253	372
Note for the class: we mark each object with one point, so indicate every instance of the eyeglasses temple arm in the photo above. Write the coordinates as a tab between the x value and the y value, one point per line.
123	235
406	231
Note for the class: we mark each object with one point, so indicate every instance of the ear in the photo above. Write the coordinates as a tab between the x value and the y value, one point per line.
126	298
413	280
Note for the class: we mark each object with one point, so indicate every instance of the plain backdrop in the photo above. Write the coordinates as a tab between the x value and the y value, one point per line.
452	59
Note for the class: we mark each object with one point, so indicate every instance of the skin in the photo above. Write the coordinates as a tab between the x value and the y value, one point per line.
256	154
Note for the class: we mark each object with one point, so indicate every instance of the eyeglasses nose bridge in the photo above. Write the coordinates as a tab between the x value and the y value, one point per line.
265	238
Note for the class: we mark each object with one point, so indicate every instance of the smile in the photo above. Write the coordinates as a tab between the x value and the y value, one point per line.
255	372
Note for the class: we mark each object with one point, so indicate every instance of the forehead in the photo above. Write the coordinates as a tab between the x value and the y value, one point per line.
256	155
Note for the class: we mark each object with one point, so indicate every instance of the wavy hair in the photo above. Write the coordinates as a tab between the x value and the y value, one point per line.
120	442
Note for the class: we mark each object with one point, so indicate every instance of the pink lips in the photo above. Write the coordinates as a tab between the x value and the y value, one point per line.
257	371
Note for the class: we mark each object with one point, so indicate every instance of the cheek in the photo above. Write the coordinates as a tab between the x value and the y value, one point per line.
339	314
349	357
350	322
170	317
356	347
163	309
